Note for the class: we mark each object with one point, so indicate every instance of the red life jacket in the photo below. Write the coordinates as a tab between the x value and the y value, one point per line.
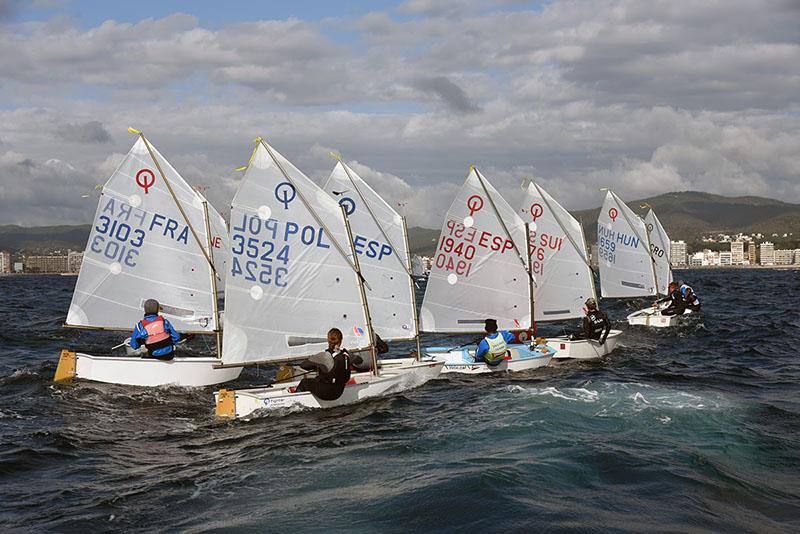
156	333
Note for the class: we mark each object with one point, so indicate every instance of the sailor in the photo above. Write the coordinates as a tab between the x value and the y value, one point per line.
689	297
595	323
362	361
493	348
155	333
676	304
332	367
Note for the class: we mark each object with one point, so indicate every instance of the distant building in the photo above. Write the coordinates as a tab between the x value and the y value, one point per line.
5	261
767	253
74	260
725	259
737	252
17	266
696	260
797	256
677	253
784	257
751	252
45	264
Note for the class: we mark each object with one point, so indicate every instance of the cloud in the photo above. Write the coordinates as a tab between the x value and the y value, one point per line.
87	132
448	92
581	95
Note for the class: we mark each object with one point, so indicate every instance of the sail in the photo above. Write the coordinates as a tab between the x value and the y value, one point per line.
659	247
626	269
559	260
382	253
477	273
288	281
140	247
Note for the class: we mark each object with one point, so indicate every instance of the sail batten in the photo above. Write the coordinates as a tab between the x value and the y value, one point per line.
626	266
140	246
559	259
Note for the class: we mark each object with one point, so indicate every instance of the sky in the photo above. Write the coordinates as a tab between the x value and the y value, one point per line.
642	97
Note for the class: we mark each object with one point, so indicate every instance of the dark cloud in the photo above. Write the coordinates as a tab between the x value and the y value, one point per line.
87	132
448	92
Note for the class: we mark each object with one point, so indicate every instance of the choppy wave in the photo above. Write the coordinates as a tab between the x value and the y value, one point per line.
683	430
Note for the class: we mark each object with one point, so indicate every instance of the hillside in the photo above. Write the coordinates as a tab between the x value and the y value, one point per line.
43	238
686	215
690	214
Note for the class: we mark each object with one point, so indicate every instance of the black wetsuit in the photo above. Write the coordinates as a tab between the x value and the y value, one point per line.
328	385
676	303
595	326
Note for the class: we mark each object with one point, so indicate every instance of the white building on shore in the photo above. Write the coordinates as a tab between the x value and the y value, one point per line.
677	253
767	253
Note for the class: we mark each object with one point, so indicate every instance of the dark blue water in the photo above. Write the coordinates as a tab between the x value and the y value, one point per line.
694	429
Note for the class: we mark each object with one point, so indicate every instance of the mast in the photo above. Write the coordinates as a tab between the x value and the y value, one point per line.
363	293
412	285
218	326
530	276
591	271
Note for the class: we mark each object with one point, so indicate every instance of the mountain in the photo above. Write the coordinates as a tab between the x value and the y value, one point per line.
686	215
43	238
689	215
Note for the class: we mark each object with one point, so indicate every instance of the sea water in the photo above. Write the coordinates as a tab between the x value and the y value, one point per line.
695	428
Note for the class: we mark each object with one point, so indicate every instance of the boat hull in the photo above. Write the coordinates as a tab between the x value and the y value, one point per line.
584	349
652	317
244	402
462	360
146	372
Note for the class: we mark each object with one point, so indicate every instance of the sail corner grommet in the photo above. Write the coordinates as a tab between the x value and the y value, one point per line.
66	367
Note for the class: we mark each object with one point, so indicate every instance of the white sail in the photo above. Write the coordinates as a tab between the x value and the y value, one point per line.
626	268
659	247
288	282
477	272
140	247
559	260
382	253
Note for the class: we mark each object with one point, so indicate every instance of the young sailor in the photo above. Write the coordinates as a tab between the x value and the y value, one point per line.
595	324
689	297
362	361
332	367
675	298
493	348
155	333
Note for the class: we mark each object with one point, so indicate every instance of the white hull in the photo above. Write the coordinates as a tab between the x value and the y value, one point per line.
652	317
462	360
144	371
584	349
243	402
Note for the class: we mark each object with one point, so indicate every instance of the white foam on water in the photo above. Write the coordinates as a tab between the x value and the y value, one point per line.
627	398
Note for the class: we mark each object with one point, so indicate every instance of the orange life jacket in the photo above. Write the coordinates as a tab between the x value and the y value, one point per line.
156	333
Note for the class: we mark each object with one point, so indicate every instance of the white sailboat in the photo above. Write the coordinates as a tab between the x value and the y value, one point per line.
479	272
564	277
153	237
660	250
290	280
